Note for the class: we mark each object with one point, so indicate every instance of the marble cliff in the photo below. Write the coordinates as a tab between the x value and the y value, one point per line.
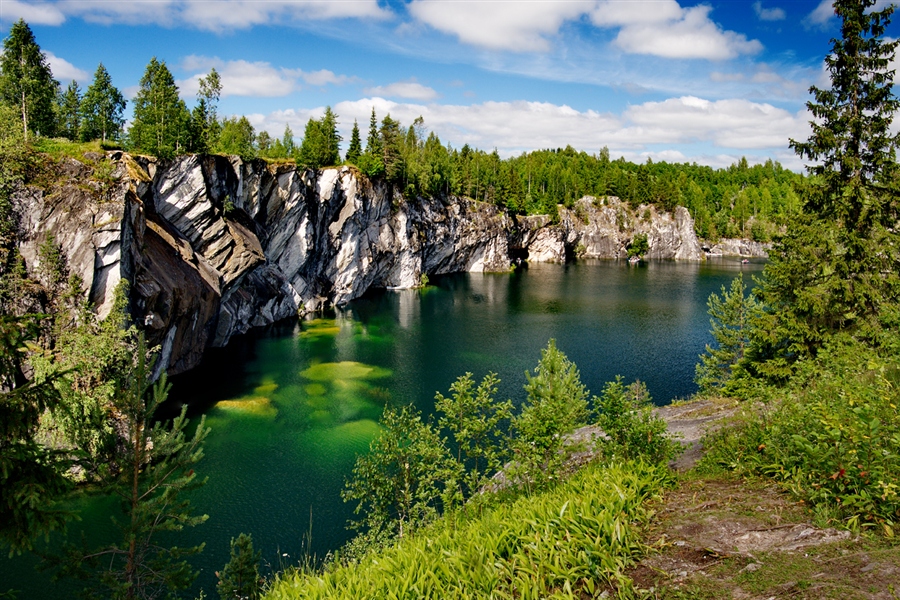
213	245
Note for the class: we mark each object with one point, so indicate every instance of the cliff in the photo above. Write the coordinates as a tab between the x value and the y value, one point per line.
214	245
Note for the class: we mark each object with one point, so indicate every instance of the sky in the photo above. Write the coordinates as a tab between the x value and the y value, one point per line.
667	80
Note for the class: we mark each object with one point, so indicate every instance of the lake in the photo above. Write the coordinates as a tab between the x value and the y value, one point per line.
292	405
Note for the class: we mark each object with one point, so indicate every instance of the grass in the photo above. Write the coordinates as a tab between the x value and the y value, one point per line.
59	148
572	541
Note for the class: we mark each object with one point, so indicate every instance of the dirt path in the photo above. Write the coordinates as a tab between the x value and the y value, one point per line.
732	538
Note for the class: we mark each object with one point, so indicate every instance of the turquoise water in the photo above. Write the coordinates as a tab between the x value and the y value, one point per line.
291	406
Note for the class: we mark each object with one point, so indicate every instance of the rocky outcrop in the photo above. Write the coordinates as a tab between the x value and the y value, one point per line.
604	228
738	247
213	245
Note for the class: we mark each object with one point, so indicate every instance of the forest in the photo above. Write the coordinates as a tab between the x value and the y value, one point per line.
811	355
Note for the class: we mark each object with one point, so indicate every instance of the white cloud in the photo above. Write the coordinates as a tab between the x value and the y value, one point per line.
257	79
64	71
34	14
499	25
688	33
733	123
210	15
768	14
661	28
678	129
411	89
325	77
820	16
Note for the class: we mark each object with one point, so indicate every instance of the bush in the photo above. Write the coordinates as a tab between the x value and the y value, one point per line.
625	413
834	439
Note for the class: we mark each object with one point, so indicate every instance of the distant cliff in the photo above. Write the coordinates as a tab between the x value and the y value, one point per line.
214	245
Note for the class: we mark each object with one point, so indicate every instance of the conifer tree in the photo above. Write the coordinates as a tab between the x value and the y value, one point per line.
68	123
372	160
838	265
160	116
102	108
206	114
26	81
354	151
392	149
239	580
732	317
287	141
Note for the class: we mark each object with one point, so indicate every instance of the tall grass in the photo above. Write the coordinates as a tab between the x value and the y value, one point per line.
571	541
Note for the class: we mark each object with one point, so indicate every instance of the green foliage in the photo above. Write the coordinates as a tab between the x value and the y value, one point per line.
354	151
397	485
68	112
556	404
639	246
625	414
321	142
205	115
834	439
13	159
732	317
236	138
477	424
151	471
160	123
31	475
836	269
567	542
102	108
239	580
26	81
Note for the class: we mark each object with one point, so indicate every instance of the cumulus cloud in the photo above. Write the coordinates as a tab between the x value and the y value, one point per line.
210	15
34	14
63	70
411	89
498	25
768	14
666	130
732	123
671	31
665	29
257	79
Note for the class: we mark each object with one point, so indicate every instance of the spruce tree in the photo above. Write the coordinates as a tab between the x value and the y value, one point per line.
239	580
160	117
838	266
355	149
68	123
26	81
102	108
372	160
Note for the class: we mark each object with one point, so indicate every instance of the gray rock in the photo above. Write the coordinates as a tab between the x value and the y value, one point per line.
214	245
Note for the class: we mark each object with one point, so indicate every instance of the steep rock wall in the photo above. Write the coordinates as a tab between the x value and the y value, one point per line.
214	245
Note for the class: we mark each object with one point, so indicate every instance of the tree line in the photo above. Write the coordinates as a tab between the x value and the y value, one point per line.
749	201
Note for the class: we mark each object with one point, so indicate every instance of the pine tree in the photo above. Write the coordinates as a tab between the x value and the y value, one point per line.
239	580
392	149
102	108
372	160
26	81
838	265
151	469
68	123
32	477
732	317
355	149
556	404
160	117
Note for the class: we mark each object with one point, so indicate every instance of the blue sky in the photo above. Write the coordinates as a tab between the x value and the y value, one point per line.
679	81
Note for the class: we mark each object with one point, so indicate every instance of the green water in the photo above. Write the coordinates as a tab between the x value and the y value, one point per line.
291	406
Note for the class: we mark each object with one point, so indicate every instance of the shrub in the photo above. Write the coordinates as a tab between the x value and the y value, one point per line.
625	413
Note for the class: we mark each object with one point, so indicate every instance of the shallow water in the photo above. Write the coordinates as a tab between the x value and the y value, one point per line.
291	406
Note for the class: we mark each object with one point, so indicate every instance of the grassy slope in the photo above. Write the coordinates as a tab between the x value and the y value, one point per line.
569	542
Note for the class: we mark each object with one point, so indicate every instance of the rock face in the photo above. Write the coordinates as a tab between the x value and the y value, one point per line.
738	247
213	245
